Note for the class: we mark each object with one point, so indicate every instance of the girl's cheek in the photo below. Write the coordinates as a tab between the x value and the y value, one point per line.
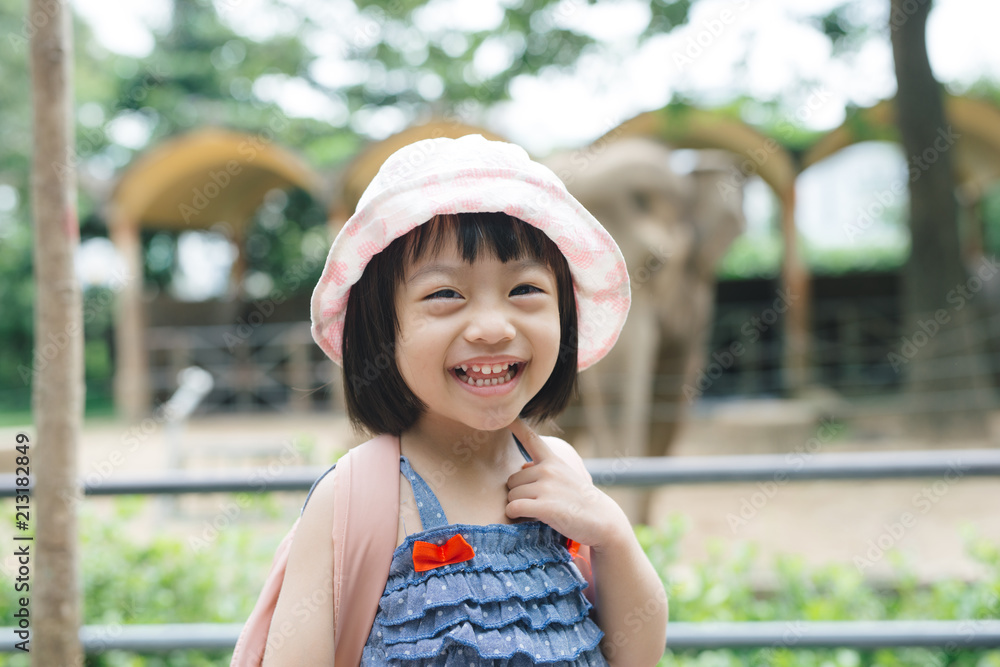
420	323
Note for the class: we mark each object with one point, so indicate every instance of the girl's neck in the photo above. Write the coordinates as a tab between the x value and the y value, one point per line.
447	443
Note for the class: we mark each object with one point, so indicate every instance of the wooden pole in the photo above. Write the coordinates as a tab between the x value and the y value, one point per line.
58	382
131	384
796	286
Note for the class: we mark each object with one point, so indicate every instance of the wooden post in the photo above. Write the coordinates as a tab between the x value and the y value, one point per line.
795	283
131	383
58	389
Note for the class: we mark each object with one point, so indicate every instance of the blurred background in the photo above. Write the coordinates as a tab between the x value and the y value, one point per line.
813	266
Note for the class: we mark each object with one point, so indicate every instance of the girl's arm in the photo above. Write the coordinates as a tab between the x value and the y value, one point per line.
632	609
302	626
631	602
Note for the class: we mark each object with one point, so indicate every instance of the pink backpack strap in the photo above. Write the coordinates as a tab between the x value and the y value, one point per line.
582	558
365	522
365	517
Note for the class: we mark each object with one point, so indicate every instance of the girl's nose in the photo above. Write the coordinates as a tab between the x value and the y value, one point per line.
490	326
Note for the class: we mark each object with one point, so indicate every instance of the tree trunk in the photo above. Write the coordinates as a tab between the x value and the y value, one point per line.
942	350
58	381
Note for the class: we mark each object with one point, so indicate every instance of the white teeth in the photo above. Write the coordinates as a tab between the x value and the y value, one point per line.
489	370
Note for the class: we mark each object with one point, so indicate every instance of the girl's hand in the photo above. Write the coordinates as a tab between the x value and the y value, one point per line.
550	490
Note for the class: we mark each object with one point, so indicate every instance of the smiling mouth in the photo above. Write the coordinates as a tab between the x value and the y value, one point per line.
486	375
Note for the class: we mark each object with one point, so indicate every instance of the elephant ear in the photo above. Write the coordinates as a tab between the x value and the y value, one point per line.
629	185
716	207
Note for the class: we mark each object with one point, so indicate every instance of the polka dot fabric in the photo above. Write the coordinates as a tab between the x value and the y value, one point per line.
519	601
465	175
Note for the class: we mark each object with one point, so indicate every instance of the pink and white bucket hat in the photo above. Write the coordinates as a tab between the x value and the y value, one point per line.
468	175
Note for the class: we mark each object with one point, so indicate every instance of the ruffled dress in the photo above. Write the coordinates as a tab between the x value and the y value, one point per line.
518	601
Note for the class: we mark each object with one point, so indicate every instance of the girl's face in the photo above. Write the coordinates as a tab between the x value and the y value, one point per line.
476	341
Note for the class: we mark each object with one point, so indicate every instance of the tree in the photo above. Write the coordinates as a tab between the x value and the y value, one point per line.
58	386
942	349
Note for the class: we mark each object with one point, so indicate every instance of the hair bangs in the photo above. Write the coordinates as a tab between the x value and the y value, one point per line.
501	236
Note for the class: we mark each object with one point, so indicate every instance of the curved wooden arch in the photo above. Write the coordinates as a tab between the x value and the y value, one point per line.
362	169
189	182
875	123
181	183
689	127
976	126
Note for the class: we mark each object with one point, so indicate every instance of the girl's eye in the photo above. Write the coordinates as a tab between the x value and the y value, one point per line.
525	289
444	294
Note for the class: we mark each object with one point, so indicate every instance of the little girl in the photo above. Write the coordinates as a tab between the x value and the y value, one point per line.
461	298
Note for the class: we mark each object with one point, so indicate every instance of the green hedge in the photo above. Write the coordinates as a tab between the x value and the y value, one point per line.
215	574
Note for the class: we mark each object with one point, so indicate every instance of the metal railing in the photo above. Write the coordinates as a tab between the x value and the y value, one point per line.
625	471
952	635
949	635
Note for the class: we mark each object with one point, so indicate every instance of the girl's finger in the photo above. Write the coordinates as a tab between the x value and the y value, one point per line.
525	475
520	509
519	492
532	442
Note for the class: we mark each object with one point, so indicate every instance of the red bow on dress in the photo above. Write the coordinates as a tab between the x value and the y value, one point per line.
574	551
573	547
427	556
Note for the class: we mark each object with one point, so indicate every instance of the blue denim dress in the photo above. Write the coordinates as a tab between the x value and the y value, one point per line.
519	601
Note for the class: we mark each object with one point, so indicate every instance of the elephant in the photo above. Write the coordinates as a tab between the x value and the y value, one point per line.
672	229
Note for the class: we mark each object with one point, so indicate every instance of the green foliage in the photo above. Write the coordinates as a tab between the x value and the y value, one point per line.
665	15
846	27
760	257
720	589
751	257
990	213
532	35
213	575
17	293
835	261
287	241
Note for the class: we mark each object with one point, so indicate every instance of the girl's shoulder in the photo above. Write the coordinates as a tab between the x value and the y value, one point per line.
566	451
315	526
324	486
308	569
560	446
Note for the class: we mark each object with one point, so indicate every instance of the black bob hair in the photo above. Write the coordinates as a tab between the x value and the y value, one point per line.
378	399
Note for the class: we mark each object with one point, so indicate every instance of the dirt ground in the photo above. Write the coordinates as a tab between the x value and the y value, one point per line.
854	523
